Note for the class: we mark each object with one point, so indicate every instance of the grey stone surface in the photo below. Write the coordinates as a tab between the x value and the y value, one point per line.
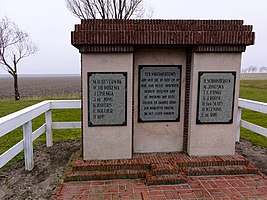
215	97
107	99
159	93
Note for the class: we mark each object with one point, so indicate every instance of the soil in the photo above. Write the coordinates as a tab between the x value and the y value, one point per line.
255	154
50	164
41	86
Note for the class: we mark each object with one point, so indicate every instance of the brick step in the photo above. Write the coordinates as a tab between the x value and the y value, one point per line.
166	179
110	165
104	175
210	161
165	168
220	170
183	160
158	169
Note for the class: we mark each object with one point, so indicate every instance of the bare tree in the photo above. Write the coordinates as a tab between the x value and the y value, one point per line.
15	45
250	69
253	69
107	9
243	70
263	69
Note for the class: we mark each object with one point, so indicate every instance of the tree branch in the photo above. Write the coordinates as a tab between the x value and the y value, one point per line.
106	9
13	43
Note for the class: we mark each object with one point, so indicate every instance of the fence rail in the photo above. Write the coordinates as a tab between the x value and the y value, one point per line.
25	116
254	106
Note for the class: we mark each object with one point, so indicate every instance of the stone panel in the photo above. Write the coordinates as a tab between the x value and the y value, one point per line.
159	93
215	97
107	98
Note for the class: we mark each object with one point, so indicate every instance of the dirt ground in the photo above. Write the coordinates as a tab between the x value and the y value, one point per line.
50	164
255	154
41	86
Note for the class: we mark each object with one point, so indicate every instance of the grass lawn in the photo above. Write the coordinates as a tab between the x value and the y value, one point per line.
249	89
254	90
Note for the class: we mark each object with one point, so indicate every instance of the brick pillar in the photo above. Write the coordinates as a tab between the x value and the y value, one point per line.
187	98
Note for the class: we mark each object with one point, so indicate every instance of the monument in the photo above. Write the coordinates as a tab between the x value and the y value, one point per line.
160	86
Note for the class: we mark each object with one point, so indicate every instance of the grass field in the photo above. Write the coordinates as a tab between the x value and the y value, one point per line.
249	89
253	76
254	90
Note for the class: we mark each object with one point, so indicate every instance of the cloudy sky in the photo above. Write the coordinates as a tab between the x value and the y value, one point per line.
49	23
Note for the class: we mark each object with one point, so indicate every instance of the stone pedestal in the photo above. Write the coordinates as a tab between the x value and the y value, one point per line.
162	133
107	124
216	96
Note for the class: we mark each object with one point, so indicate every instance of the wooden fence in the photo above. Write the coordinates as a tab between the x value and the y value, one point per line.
24	118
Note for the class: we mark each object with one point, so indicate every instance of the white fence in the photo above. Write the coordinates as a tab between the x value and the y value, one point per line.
250	105
24	118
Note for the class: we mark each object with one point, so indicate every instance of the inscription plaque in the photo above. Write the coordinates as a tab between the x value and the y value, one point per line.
107	98
159	93
215	97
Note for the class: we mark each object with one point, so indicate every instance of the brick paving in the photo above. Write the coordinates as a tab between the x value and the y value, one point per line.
155	175
201	187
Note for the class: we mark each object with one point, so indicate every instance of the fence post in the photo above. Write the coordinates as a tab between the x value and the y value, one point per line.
28	146
238	122
48	127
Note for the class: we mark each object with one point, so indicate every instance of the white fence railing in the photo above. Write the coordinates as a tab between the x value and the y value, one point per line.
24	118
251	105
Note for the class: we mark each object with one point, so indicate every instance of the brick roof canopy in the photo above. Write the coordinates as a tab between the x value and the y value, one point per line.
124	35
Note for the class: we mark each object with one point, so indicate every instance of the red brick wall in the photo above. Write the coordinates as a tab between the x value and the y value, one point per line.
124	35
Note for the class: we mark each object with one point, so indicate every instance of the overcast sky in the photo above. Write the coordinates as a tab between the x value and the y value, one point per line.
49	23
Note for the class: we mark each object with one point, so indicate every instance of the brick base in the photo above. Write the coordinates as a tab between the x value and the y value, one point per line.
158	169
